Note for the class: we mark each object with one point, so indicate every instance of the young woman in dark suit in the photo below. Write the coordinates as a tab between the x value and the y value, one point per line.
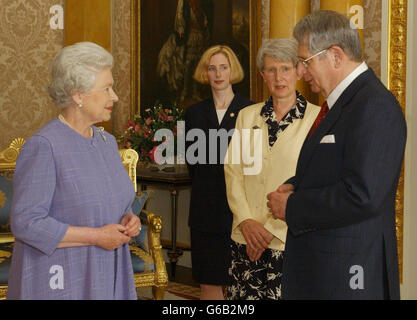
210	218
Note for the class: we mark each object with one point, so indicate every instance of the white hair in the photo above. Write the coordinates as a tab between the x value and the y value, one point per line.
281	49
75	69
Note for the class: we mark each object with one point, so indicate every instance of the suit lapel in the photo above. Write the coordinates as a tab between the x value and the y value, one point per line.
211	114
328	122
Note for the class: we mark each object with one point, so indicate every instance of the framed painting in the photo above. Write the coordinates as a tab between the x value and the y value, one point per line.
169	37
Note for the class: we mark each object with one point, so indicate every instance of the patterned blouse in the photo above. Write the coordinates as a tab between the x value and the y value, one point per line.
269	116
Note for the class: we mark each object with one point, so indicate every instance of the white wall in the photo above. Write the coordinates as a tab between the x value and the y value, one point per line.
409	287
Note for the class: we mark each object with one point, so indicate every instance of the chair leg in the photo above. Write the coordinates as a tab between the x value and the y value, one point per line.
3	292
158	292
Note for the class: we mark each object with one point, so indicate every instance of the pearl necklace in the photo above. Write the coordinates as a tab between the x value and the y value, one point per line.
62	119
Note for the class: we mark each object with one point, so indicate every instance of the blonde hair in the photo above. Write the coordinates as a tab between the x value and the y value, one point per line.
237	73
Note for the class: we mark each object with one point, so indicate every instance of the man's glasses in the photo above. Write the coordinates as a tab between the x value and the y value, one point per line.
305	61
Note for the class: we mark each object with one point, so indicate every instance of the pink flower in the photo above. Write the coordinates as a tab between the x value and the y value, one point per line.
148	121
137	127
130	124
162	115
152	154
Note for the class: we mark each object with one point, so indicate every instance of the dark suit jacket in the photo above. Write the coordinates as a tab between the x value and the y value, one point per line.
209	210
341	218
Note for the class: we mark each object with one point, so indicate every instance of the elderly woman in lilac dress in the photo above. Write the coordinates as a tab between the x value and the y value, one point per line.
71	214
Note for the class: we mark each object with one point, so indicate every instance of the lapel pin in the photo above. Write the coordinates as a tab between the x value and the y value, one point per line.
232	115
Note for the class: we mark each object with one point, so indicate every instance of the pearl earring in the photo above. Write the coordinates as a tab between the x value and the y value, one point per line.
80	105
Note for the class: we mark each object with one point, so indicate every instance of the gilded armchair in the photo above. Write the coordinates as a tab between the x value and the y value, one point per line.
147	259
8	159
149	266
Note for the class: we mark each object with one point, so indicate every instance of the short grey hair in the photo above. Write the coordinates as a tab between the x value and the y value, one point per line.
322	29
281	49
75	69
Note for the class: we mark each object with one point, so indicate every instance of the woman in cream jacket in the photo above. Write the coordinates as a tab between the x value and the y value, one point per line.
262	155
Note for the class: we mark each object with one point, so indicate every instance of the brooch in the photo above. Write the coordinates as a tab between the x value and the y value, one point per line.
101	131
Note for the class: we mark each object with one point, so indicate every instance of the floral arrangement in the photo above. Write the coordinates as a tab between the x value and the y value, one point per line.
139	133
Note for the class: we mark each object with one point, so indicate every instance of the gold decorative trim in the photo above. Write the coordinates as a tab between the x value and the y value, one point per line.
6	237
159	278
3	199
3	292
4	255
141	254
130	159
397	75
9	156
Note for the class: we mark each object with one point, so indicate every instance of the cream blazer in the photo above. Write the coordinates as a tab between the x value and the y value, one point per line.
247	185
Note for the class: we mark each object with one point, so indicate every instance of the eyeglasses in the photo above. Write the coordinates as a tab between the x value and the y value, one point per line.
283	71
305	61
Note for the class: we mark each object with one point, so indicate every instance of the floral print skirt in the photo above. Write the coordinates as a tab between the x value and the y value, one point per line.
259	280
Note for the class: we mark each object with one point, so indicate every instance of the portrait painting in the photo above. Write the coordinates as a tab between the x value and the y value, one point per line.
172	36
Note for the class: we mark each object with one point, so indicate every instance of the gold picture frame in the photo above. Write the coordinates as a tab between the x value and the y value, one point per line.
397	76
135	18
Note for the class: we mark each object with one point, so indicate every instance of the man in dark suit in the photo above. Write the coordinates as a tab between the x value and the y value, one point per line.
340	205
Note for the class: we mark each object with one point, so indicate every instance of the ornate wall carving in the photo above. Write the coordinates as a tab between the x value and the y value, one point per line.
372	34
265	15
121	71
27	46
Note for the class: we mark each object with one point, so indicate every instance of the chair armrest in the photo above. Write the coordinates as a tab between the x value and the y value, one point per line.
6	237
154	223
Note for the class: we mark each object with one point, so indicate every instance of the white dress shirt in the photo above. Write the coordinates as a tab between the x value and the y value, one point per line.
337	92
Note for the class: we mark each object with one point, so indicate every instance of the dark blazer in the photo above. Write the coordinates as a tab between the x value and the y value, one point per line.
209	210
341	217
